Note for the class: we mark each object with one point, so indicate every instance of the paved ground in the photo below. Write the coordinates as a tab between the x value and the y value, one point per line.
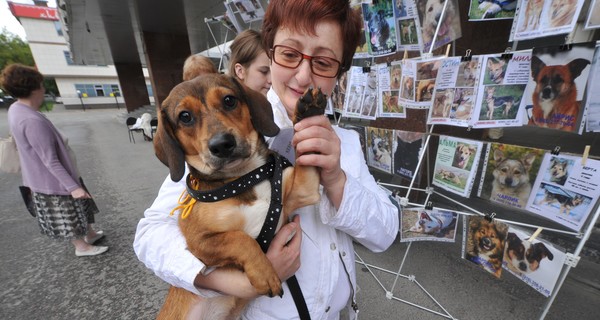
43	279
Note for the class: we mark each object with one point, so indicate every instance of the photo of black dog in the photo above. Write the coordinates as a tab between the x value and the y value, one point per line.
406	156
382	36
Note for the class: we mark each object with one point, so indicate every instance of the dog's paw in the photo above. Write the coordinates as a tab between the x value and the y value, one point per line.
312	103
266	283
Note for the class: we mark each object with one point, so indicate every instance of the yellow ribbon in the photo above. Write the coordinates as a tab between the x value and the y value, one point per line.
185	201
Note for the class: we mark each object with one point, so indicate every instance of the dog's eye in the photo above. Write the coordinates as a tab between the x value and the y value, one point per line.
185	117
229	102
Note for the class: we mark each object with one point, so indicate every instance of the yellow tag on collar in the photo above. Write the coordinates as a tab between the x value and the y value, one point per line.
185	202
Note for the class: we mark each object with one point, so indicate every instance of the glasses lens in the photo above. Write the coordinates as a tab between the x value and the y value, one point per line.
287	57
325	67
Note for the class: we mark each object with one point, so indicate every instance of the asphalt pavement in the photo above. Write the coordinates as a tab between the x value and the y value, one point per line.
43	279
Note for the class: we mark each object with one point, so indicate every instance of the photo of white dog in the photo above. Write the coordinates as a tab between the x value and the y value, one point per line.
433	225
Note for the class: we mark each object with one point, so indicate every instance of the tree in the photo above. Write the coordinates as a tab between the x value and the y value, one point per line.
14	50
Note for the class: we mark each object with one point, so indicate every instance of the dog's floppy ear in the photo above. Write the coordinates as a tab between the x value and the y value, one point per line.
261	112
167	148
576	67
536	66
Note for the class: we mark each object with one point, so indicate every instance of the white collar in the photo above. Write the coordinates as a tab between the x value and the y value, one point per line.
279	112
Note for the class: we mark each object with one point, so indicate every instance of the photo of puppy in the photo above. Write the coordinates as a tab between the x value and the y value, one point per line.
408	88
442	103
468	72
430	14
463	155
428	70
435	223
565	199
495	71
559	170
354	98
485	244
450	176
561	12
533	13
380	149
425	90
395	76
462	105
408	32
523	257
406	155
511	182
554	98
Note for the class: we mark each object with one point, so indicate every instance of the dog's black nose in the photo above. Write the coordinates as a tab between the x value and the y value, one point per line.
547	93
222	145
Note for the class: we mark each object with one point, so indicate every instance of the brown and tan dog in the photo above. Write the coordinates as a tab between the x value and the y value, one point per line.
216	125
555	96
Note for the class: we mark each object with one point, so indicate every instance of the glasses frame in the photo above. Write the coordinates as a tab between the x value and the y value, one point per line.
305	57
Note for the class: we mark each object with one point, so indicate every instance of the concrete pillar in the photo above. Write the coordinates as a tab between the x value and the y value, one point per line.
133	85
165	55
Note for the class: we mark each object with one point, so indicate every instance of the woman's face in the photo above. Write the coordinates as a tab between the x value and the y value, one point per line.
290	84
258	74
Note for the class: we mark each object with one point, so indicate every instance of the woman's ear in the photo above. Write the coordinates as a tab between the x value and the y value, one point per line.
240	71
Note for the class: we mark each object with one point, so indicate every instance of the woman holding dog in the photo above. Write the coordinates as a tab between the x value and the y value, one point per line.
249	61
64	208
310	42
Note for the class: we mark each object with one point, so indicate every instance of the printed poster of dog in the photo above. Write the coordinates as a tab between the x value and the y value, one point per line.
508	174
456	164
388	103
565	190
484	243
537	263
339	93
430	12
593	19
361	136
418	81
505	78
409	37
455	88
362	50
593	96
250	10
557	85
419	224
492	9
407	149
542	18
357	81
380	27
379	148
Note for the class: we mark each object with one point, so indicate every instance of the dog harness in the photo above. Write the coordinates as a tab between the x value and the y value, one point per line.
272	170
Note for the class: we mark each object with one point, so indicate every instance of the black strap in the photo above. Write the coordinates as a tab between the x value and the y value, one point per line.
298	297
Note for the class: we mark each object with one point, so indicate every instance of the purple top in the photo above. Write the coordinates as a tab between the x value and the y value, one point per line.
46	166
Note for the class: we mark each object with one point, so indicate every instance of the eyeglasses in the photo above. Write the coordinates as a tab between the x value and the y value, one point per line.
291	58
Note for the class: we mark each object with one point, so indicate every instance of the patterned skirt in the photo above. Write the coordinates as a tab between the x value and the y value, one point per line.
63	217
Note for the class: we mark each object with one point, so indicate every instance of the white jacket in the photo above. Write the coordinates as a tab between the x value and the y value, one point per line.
365	215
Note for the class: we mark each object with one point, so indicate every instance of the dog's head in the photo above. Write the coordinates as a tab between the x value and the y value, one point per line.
496	69
512	172
523	255
379	147
557	80
558	169
487	238
462	154
215	124
379	29
425	224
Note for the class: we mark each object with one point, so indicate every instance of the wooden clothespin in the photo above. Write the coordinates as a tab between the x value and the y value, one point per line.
448	49
535	234
586	153
405	54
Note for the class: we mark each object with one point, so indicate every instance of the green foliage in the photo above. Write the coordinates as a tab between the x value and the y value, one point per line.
14	50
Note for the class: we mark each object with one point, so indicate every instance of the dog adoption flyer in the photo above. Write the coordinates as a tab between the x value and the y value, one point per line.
565	190
379	148
356	83
504	78
435	33
407	22
485	10
592	105
456	164
407	149
380	27
542	18
418	81
483	243
388	106
455	88
508	173
419	224
537	263
554	93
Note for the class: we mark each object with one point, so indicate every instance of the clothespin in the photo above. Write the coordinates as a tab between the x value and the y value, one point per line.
490	217
567	45
429	205
507	55
556	150
448	49
367	67
586	153
405	54
535	234
467	56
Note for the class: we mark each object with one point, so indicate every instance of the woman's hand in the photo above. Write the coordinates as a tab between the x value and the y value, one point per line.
284	250
80	193
318	145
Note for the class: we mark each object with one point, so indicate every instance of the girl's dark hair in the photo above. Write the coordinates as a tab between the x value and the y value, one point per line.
303	15
20	80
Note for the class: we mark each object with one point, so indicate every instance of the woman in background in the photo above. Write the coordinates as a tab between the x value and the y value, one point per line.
249	61
64	208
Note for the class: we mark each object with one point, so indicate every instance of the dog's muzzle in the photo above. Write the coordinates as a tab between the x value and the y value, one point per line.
222	145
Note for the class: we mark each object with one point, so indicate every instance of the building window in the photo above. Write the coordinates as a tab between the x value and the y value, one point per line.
99	90
149	88
114	88
68	58
58	27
